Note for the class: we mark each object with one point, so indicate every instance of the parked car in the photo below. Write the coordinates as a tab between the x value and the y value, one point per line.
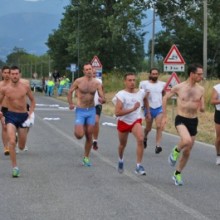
36	84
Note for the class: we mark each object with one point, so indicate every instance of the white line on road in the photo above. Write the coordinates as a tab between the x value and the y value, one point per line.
194	213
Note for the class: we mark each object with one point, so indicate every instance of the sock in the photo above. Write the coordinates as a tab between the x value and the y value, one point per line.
138	164
94	140
120	159
177	150
177	172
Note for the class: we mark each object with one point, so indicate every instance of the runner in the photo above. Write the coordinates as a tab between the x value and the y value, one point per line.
155	91
86	87
128	103
4	83
15	97
190	100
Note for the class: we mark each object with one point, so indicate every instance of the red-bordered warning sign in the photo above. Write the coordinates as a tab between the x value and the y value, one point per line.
174	56
96	62
172	81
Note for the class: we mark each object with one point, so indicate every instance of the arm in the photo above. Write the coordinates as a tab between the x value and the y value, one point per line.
101	94
167	96
147	106
32	100
119	111
2	95
73	87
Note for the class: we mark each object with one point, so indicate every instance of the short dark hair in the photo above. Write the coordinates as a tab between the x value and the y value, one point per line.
128	74
5	68
193	67
154	68
15	68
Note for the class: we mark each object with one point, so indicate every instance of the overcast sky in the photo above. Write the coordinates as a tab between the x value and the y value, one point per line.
48	6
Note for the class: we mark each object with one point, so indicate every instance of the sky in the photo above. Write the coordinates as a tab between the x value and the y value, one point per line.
48	6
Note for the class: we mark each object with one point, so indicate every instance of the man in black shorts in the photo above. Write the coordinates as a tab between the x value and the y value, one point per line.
190	100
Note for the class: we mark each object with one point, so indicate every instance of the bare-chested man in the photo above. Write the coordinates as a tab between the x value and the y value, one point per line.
15	95
190	100
86	87
4	83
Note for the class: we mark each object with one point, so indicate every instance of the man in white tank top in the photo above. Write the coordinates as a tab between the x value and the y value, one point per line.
155	91
128	103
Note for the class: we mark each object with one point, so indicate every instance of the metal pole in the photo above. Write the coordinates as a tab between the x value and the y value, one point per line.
205	29
152	41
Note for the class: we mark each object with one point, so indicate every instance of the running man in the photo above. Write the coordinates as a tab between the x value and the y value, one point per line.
15	95
85	113
215	100
155	92
128	103
190	100
4	83
98	108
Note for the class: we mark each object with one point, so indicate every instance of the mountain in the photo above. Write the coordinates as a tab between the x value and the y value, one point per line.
29	31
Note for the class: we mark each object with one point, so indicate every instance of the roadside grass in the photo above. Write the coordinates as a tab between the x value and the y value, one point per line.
206	127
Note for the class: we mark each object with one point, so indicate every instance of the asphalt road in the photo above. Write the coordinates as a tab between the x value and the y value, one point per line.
54	185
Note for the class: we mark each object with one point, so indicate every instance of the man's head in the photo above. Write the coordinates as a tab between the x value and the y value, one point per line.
15	74
88	70
130	80
6	73
196	72
154	74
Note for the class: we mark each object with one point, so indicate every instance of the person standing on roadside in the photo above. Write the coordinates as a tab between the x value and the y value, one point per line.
155	92
98	108
15	95
190	100
215	100
128	103
85	113
4	83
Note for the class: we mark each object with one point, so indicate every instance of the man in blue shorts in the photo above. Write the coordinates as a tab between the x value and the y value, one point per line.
15	95
85	112
155	91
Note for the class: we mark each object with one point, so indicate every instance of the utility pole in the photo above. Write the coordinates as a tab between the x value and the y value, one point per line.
205	30
153	36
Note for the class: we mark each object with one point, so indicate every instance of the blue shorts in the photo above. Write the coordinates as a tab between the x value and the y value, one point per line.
154	111
85	116
15	118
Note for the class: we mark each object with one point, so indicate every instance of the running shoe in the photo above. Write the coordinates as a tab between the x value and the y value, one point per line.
25	148
95	145
140	170
6	151
158	149
177	179
145	143
173	157
15	172
86	162
120	166
218	160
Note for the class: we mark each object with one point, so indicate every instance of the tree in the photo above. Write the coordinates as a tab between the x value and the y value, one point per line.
183	23
110	29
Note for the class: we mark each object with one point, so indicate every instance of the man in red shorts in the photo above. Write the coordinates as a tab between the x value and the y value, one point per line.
129	113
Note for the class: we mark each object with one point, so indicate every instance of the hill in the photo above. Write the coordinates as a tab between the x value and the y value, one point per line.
26	30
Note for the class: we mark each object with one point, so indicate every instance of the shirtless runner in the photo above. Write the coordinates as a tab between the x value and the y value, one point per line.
85	112
190	100
15	95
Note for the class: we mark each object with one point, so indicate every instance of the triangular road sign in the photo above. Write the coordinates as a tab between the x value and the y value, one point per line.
172	81
174	56
96	62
